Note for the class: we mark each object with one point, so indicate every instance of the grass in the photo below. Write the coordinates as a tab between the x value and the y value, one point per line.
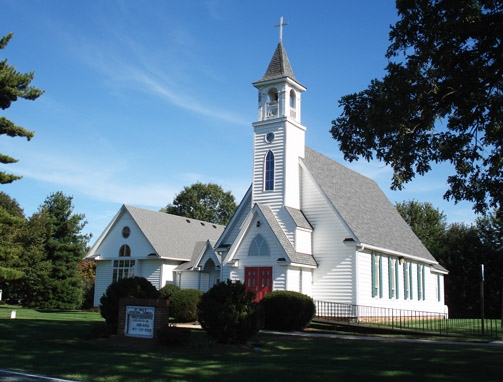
55	344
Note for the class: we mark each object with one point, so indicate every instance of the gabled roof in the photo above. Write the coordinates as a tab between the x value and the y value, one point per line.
171	236
299	218
363	206
279	67
295	257
198	253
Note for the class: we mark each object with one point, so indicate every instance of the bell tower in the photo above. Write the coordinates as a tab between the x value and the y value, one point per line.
279	136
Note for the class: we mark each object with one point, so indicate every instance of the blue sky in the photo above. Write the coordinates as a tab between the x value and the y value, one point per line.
145	97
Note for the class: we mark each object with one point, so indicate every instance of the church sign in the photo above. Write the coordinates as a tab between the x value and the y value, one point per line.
141	318
140	321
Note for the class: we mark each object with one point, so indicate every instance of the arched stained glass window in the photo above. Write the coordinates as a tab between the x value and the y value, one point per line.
125	251
259	247
269	171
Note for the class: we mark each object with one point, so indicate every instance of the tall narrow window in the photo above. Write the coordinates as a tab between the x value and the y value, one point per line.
380	277
376	275
405	282
269	171
419	286
396	278
438	289
391	277
423	284
410	282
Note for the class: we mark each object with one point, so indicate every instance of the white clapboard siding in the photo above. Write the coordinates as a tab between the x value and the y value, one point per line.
167	273
151	270
294	149
303	241
307	282
103	279
273	198
139	245
429	303
188	280
334	279
275	250
293	279
237	220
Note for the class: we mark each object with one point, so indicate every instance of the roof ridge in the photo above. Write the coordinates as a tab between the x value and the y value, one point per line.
128	207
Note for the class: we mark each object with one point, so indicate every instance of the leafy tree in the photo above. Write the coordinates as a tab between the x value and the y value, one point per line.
56	283
13	85
441	100
206	202
428	223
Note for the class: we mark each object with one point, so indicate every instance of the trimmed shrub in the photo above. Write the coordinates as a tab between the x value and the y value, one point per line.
228	314
133	287
168	290
170	335
183	305
287	311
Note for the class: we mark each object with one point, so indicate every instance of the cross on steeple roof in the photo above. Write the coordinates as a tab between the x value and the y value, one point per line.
280	25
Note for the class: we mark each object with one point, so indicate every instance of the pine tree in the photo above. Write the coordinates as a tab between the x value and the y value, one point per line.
13	85
56	282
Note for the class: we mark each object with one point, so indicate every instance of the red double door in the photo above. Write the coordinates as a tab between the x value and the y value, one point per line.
259	280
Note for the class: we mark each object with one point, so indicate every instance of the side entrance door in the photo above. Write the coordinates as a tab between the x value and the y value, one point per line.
259	280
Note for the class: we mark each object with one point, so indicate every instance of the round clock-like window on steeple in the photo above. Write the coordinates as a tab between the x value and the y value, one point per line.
125	232
269	138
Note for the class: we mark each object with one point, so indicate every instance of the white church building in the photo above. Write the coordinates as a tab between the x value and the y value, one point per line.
306	224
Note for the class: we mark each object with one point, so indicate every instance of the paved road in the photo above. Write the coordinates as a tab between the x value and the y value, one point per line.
14	376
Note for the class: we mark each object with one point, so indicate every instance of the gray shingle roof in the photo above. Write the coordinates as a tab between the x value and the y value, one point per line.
295	257
364	207
299	218
173	236
279	67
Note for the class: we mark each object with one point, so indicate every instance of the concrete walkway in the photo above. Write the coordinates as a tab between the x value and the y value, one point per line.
383	339
15	376
363	338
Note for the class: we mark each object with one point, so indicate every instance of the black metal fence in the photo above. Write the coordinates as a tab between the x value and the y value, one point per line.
407	320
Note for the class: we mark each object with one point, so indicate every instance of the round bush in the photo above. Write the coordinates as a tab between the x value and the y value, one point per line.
286	310
228	314
167	291
133	287
183	305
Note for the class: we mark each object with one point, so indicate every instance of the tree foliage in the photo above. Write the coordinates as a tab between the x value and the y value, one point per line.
13	85
56	282
208	202
441	100
11	223
461	249
428	223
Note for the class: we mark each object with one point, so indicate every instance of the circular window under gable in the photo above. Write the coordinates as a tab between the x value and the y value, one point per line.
126	231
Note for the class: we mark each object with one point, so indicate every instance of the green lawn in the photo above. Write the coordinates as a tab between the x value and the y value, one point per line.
55	344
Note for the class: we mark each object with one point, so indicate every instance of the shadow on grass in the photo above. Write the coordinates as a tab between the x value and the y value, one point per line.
61	348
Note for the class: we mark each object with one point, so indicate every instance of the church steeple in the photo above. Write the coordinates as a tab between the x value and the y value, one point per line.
279	136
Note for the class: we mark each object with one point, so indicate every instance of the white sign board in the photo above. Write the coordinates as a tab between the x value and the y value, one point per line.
140	321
